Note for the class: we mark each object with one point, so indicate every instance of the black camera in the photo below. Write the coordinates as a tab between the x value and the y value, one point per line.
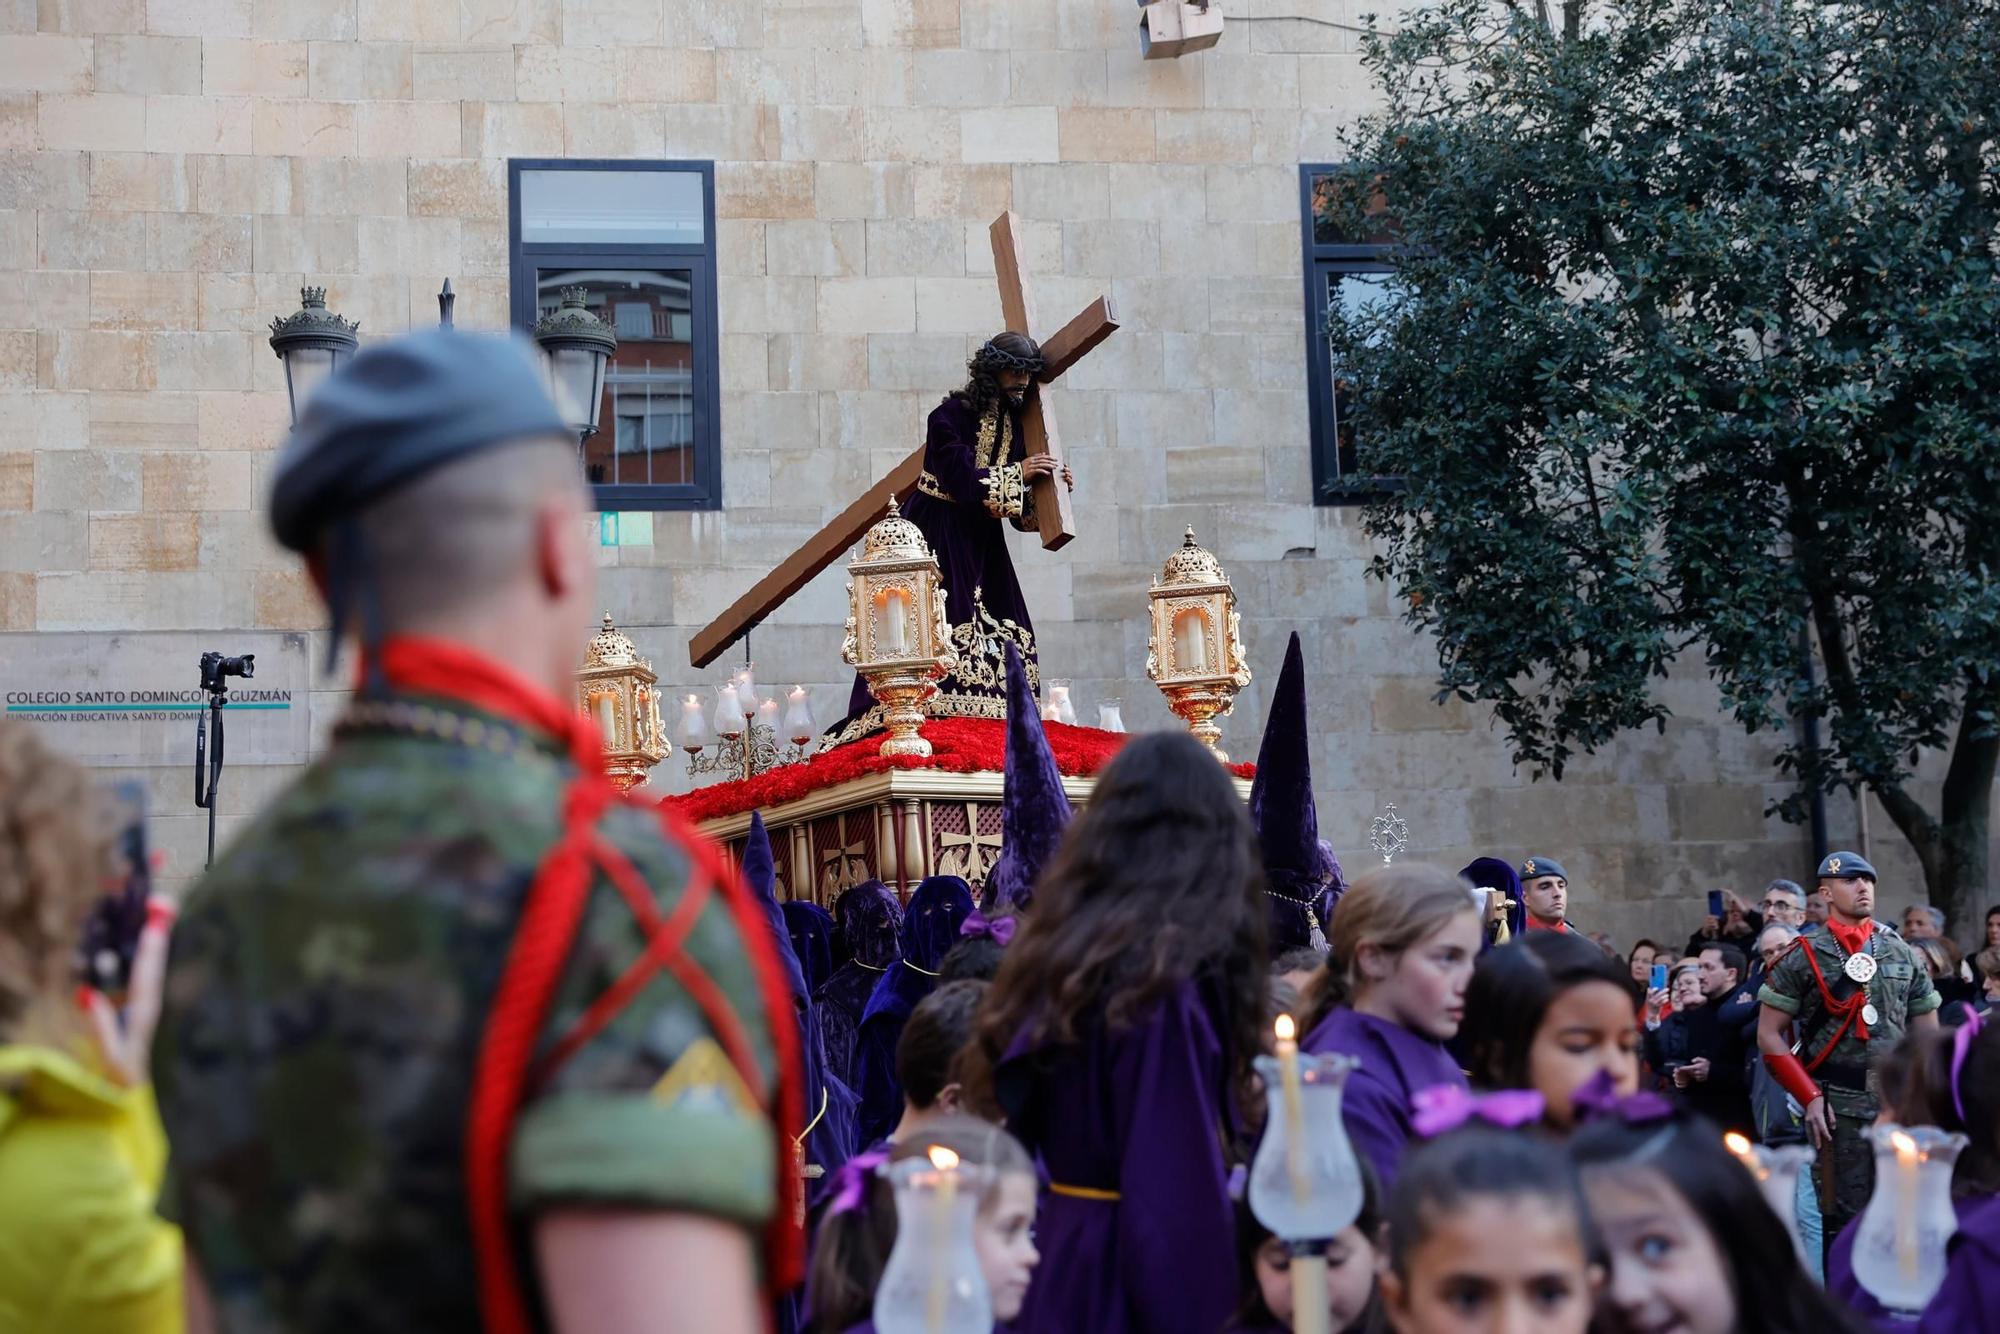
215	667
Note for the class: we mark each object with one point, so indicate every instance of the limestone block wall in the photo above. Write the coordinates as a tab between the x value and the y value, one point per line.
171	171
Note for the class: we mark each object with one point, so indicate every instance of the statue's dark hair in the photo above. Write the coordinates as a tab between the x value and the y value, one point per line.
1007	351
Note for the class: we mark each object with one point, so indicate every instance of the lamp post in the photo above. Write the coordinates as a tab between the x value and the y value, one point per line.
898	636
1195	654
576	347
313	343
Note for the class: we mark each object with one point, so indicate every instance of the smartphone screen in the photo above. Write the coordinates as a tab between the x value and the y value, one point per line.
1715	903
1659	977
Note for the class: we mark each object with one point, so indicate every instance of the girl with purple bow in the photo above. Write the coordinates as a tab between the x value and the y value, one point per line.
1693	1246
1487	1231
1117	1041
1392	993
1949	1078
1551	1012
860	1225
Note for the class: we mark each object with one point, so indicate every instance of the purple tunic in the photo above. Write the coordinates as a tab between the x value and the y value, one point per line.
1845	1288
1396	1064
972	482
1139	1112
1968	1302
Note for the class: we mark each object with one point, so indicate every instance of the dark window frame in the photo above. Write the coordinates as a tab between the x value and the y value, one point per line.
1332	485
705	493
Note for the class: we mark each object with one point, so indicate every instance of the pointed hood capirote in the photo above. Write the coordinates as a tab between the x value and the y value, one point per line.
1034	810
1300	871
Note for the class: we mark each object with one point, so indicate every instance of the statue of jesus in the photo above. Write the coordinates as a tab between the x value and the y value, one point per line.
976	474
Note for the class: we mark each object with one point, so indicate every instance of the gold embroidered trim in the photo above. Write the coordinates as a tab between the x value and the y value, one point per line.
995	436
928	483
1006	492
982	664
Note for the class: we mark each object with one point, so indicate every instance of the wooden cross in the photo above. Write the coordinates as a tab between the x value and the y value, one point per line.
1060	351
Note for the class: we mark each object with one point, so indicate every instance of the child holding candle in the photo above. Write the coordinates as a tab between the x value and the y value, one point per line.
1392	993
1117	1041
1693	1244
1549	1011
1263	1271
1487	1231
860	1226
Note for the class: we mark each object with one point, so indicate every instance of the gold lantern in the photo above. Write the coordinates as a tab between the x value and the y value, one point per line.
898	637
1195	652
618	690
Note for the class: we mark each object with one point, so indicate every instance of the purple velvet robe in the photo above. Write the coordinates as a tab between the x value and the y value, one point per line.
1396	1065
1845	1288
1143	1112
930	928
970	542
1968	1301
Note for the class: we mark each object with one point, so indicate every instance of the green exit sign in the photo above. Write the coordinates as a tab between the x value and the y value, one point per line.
625	528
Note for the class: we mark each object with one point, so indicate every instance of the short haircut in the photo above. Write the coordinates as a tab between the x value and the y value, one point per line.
1790	888
1788	932
939	1028
1732	958
463	531
1935	914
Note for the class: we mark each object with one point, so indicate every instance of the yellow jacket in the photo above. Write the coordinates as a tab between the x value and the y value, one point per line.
81	1250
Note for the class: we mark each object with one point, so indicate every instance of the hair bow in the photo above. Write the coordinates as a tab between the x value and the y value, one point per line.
999	930
1961	1045
851	1182
1599	1098
1444	1107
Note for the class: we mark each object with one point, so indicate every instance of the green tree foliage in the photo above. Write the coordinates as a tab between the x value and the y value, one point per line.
1695	344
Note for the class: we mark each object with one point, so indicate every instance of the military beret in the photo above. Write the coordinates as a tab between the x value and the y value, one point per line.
1846	866
397	410
1536	867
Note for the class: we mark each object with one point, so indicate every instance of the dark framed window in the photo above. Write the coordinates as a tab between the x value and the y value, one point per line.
639	238
1352	272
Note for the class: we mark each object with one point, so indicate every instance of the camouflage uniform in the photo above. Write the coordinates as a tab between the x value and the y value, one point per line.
329	983
1901	991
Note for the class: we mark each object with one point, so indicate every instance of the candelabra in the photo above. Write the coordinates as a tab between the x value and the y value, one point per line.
745	739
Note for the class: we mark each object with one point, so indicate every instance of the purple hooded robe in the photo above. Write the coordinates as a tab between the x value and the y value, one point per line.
869	919
930	928
1376	1102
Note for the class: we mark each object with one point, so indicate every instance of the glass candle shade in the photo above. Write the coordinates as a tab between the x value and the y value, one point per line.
1899	1245
799	725
694	726
1305	1183
1109	717
728	711
933	1283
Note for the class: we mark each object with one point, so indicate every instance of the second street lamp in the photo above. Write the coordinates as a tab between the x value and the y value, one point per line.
313	343
576	347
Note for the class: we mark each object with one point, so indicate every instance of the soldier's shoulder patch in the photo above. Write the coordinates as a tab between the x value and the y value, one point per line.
703	1079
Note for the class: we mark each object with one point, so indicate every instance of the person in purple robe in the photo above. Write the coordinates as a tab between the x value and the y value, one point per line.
811	930
869	920
829	1139
1965	1302
976	477
1948	1078
1034	809
1692	1243
1392	994
1495	876
1117	1040
930	928
1301	875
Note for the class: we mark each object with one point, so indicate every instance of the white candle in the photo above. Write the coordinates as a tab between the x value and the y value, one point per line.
1060	709
746	688
694	727
1908	1159
728	712
895	622
1190	642
605	719
767	715
798	716
946	1163
1295	1106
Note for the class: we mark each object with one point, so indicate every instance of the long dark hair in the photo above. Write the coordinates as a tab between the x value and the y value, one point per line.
1510	994
1003	351
1157	882
1773	1291
853	1245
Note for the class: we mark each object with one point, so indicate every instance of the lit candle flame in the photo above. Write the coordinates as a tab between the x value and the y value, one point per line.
943	1159
1737	1143
1287	1030
1906	1148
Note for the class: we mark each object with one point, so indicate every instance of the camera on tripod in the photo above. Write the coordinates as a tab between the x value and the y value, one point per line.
215	668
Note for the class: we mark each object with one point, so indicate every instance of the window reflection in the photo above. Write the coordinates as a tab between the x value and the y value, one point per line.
1354	294
647	436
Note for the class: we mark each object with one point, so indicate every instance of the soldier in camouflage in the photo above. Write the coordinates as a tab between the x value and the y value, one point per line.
1854	987
456	1039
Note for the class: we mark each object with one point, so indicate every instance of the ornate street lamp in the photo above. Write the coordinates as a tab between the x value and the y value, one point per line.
619	691
313	343
898	636
576	347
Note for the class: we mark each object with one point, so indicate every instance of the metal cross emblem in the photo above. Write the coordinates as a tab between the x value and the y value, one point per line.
1388	834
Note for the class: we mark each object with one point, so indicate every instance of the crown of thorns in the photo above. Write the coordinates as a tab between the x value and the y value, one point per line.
992	358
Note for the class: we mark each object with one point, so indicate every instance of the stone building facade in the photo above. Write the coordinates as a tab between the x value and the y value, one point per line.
172	171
